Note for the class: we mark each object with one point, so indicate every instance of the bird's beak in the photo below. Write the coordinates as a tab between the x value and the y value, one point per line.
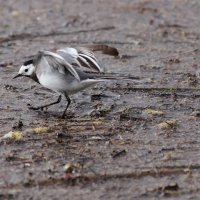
18	75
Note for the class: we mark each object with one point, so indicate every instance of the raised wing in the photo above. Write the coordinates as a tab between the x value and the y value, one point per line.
46	60
81	57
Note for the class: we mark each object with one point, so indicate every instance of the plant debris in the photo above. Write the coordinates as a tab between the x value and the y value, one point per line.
154	112
13	135
38	130
169	124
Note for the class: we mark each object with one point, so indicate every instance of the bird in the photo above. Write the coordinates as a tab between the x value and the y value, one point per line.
64	71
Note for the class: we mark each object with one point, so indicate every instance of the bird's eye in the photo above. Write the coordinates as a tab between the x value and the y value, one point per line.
26	70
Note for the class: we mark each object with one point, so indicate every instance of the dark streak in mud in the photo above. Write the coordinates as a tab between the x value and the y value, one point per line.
25	36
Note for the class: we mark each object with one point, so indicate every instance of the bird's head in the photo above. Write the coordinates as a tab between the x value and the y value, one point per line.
27	69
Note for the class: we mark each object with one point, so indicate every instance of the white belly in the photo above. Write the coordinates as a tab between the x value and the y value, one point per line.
62	84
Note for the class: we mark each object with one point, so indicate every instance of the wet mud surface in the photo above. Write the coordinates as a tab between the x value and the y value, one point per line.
121	139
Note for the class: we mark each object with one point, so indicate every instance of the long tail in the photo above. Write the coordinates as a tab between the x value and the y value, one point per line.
112	76
104	49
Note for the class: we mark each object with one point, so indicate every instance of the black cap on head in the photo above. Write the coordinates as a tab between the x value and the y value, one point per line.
28	62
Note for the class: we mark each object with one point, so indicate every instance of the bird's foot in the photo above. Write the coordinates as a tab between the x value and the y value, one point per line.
35	108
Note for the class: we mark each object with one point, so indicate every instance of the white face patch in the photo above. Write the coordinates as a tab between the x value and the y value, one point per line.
26	70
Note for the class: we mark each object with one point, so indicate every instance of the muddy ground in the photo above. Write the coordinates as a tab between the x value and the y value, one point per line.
120	140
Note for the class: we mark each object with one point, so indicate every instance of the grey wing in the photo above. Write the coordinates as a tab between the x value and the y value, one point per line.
81	57
46	60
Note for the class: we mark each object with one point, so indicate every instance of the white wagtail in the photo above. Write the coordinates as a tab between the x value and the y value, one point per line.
63	71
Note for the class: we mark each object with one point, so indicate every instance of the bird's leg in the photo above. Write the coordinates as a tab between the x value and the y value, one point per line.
47	105
68	103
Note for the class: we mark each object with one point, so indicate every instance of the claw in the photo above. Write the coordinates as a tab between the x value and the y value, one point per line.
33	108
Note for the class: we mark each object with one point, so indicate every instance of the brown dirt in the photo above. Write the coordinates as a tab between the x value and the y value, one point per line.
119	148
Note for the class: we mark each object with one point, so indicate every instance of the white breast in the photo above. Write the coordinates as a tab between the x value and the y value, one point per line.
52	82
65	84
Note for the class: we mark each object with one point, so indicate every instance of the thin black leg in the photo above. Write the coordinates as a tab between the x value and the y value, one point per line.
68	103
47	105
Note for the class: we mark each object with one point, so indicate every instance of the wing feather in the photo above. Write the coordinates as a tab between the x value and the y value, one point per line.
93	64
55	61
70	57
81	57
